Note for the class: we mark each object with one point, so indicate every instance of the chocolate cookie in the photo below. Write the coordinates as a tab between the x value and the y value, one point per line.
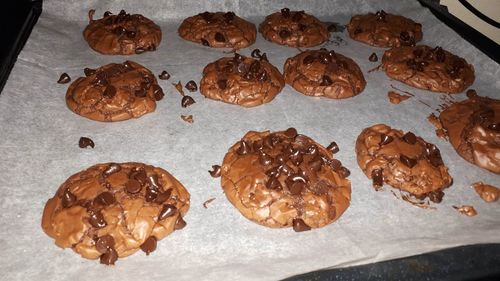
473	128
294	29
324	73
241	80
122	34
218	30
404	161
284	179
114	92
113	210
433	69
384	30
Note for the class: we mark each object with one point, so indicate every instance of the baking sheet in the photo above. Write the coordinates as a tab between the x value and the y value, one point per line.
39	137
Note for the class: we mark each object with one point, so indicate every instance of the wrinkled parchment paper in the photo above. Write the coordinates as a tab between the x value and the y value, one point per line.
39	151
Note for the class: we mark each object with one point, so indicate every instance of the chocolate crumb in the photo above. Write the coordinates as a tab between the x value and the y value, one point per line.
216	170
373	57
191	86
187	118
85	142
164	75
299	225
64	78
178	87
187	101
205	204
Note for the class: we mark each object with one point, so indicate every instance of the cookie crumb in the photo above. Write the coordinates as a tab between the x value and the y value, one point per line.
205	204
187	118
396	98
487	192
178	87
466	210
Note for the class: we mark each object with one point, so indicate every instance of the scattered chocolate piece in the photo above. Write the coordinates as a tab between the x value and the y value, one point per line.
471	93
85	142
164	75
68	199
158	92
333	147
373	57
104	243
178	87
216	170
180	223
187	101
109	257
466	210
187	118
168	210
191	86
64	78
205	204
299	225
149	245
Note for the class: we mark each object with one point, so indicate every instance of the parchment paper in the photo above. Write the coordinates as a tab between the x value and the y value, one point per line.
39	151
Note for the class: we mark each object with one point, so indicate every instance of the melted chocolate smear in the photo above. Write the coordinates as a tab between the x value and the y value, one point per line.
105	199
104	243
373	57
219	37
299	225
273	183
107	14
187	101
149	245
109	257
191	86
164	75
410	138
109	92
216	171
153	180
222	84
64	78
409	162
381	15
86	142
284	33
168	210
68	199
333	147
180	223
385	139
111	169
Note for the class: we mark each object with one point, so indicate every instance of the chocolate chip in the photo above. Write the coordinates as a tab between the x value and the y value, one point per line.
334	164
180	223
333	147
153	180
285	12
88	71
265	159
107	14
104	243
308	59
404	36
140	93
284	33
122	13
215	173
111	169
222	84
296	187
158	92
409	162
326	81
85	142
164	75
119	30
139	175
105	199
68	199
263	57
151	193
377	178
256	53
243	148
163	196
297	16
273	183
344	172
109	92
302	27
187	101
373	57
219	37
385	139
204	42
494	127
410	138
440	55
149	245
229	16
131	34
206	16
109	257
418	53
191	86
291	133
299	225
436	196
168	210
381	15
433	155
64	78
332	28
96	219
471	93
139	50
133	186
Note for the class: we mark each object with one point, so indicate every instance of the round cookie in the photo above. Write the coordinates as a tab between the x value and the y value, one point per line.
114	92
473	128
294	29
284	179
403	161
323	73
218	30
122	34
241	80
433	69
384	30
112	210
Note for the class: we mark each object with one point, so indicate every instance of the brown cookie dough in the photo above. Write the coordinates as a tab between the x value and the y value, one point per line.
404	161
284	179
433	69
241	80
122	34
473	128
114	92
218	30
294	29
324	73
384	30
113	210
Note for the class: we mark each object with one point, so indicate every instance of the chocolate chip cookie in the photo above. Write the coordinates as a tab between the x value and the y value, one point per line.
384	30
403	161
218	30
122	34
110	211
433	69
241	80
324	73
473	128
294	29
114	92
284	179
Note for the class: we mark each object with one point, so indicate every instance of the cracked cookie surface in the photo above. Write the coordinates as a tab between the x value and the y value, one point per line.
114	92
324	73
403	161
294	29
433	69
112	210
284	179
122	34
241	80
384	30
218	30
